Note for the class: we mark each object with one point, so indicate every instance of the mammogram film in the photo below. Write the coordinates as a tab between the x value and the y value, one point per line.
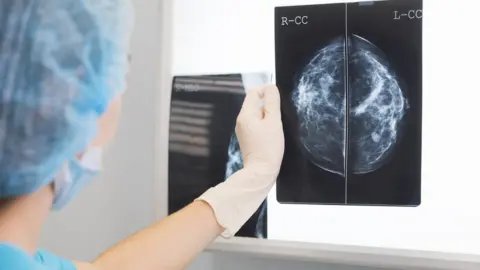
203	149
350	80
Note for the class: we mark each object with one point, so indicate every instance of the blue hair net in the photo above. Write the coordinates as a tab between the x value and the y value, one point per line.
61	63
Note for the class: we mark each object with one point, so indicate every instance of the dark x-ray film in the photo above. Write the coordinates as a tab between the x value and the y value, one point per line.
203	148
350	77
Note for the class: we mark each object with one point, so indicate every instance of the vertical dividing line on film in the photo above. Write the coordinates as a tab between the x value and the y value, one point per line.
346	142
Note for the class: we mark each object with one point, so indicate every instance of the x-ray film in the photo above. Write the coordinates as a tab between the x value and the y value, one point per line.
350	77
203	148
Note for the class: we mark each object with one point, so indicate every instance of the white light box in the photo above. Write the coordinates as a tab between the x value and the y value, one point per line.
401	80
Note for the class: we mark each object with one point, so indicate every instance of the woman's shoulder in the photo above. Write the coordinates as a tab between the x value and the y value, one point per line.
53	262
12	257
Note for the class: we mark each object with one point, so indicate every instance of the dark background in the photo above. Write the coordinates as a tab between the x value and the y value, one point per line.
300	181
398	182
189	176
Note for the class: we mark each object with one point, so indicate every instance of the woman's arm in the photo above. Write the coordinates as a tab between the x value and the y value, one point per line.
170	244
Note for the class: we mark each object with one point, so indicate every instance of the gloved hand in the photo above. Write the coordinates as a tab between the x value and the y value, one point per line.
260	134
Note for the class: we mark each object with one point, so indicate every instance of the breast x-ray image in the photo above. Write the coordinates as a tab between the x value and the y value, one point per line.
350	77
203	148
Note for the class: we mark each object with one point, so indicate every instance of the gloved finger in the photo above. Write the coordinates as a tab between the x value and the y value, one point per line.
271	101
252	105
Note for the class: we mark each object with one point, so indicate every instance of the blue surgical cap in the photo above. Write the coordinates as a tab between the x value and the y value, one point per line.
61	63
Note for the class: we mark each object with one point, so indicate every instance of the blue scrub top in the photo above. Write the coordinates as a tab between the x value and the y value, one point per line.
12	257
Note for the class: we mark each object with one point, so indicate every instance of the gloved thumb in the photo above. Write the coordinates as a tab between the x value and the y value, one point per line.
252	105
271	101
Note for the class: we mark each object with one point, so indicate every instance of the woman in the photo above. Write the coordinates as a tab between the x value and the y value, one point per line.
62	72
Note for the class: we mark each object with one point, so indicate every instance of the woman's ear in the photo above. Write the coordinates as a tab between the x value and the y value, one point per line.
108	123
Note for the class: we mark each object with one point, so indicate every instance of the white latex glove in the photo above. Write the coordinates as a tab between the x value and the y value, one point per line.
260	135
